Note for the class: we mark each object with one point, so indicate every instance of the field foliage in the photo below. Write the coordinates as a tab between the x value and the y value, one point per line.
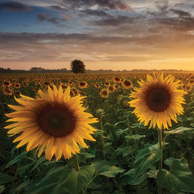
125	155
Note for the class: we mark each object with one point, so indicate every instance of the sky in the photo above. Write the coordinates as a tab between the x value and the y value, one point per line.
104	34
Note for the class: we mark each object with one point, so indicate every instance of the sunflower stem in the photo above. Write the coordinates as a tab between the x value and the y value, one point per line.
128	125
160	161
102	139
77	167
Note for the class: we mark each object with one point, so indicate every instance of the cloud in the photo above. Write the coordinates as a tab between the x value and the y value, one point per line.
180	13
91	12
58	8
115	21
13	6
58	47
162	5
110	4
54	20
42	17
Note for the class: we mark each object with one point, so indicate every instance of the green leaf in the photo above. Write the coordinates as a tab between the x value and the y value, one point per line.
53	177
23	168
121	131
2	188
62	180
169	161
146	157
77	180
124	151
6	178
179	178
83	156
16	159
179	130
138	125
120	122
135	137
107	168
39	161
133	178
20	187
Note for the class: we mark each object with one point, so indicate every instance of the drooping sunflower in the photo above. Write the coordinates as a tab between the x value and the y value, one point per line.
158	101
97	85
54	122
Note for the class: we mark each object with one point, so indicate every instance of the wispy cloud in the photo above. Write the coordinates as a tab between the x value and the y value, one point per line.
110	4
14	6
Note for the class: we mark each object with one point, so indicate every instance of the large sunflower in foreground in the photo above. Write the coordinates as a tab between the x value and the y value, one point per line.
158	100
54	122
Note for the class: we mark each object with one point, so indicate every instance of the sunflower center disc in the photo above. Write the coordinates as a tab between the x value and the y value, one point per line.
158	99
57	121
127	83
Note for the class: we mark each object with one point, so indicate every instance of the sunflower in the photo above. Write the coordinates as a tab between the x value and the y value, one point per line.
54	122
188	87
117	79
111	89
191	81
158	100
127	84
83	84
116	86
7	83
96	85
17	85
107	84
104	93
7	91
124	102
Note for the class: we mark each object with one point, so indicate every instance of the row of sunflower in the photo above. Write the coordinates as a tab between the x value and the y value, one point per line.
57	116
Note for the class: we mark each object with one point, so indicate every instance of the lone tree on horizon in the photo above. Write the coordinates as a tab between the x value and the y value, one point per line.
77	66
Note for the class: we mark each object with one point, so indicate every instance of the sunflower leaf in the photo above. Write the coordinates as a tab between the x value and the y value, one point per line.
22	186
132	178
39	161
16	159
4	178
179	178
2	188
107	168
146	157
77	180
135	137
179	130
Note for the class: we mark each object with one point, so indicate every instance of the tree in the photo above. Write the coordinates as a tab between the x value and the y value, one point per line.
77	66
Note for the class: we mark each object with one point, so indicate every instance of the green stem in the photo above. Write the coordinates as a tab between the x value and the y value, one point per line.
160	161
77	167
128	125
75	160
102	139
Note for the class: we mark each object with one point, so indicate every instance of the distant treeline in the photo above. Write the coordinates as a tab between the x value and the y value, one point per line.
64	70
34	70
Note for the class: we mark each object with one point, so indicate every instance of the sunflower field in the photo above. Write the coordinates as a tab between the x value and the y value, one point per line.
97	133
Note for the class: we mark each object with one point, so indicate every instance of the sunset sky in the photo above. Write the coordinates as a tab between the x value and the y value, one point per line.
104	34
